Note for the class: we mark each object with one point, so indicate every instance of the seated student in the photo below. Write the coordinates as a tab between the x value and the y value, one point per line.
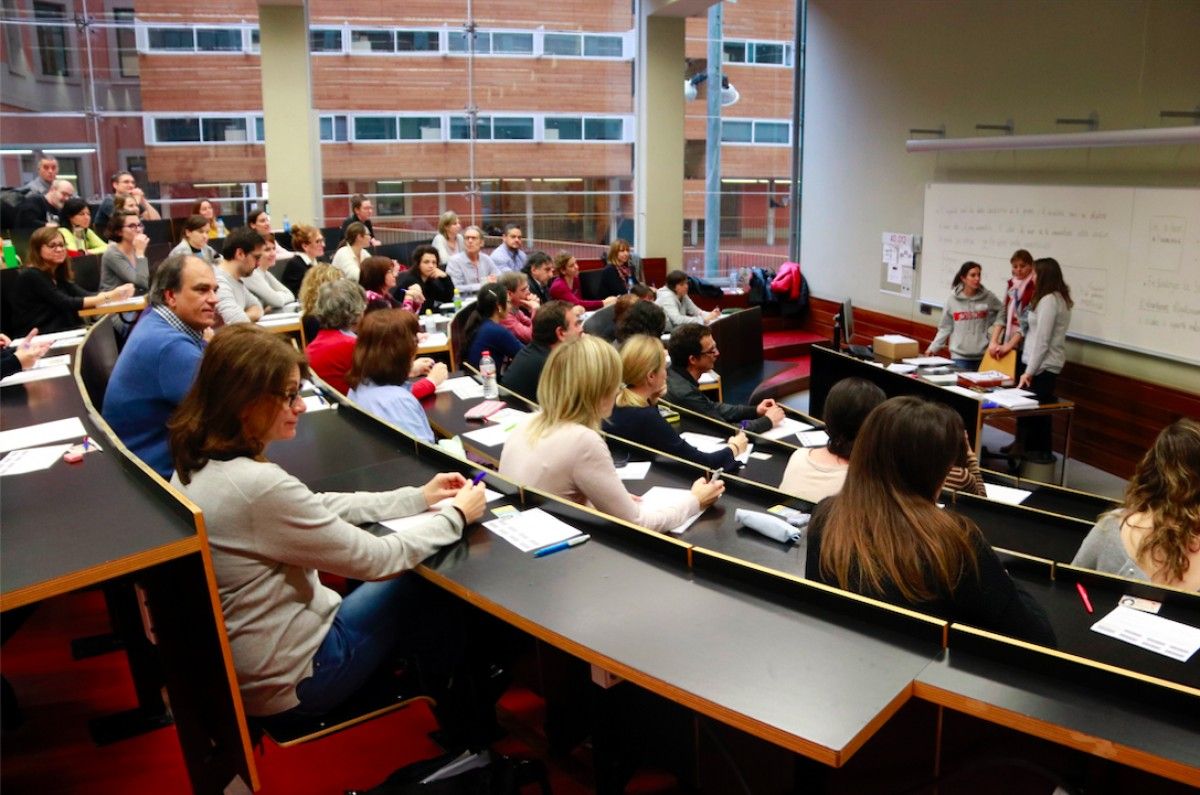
965	475
620	274
509	256
1155	534
449	240
565	286
680	309
352	251
377	277
260	222
320	274
603	322
425	273
694	353
556	322
242	251
644	317
45	294
23	355
195	240
387	344
340	307
485	331
124	261
884	536
263	285
74	224
560	449
310	245
471	267
159	361
522	304
816	473
207	209
540	270
300	650
636	416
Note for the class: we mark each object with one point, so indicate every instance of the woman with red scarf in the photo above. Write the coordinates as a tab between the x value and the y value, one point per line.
1006	334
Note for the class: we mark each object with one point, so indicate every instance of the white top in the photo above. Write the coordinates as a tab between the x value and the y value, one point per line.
443	247
345	261
809	480
269	535
267	289
678	310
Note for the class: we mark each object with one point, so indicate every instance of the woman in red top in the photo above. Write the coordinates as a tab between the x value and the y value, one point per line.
565	285
339	308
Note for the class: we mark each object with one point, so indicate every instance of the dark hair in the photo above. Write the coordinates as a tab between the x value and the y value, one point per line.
356	202
644	317
353	232
116	223
234	399
211	202
71	208
1021	255
242	239
884	532
551	316
675	278
116	175
386	346
511	226
253	217
622	305
489	298
963	270
846	408
1048	278
372	272
194	223
169	276
42	237
641	291
535	260
419	253
685	343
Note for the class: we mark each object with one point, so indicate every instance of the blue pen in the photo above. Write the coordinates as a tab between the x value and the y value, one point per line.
86	442
476	480
560	546
744	424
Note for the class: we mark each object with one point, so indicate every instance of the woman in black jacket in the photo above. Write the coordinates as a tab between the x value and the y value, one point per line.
426	272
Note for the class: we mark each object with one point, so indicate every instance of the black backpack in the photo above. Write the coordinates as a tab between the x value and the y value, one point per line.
10	200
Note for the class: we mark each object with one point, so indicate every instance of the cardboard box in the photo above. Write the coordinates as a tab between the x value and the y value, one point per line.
895	346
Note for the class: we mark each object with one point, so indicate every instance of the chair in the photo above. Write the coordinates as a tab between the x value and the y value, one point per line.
8	281
1006	364
98	357
86	270
373	701
457	323
589	284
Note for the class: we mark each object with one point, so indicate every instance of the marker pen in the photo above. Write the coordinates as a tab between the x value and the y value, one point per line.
1083	594
560	546
475	481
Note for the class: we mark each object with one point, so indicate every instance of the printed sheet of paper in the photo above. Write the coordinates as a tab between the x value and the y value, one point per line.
42	434
1153	633
404	522
490	435
531	529
36	374
786	428
509	415
1005	494
32	459
435	339
813	438
702	441
929	361
634	470
465	387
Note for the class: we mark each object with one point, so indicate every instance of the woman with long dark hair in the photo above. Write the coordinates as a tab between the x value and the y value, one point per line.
74	224
426	273
1045	352
484	331
884	536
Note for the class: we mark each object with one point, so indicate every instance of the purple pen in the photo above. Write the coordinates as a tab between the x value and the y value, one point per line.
476	480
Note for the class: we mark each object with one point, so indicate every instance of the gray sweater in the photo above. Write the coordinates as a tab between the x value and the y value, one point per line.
269	534
967	322
115	270
1103	550
1045	327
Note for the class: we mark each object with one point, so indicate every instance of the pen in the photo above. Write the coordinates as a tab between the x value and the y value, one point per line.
744	424
561	545
475	480
1083	594
714	475
86	442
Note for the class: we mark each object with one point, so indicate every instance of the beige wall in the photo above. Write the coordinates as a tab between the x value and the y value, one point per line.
874	70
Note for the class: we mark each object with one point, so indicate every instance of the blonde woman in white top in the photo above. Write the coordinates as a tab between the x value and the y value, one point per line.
449	240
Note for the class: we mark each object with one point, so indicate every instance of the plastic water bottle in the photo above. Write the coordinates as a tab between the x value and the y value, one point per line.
428	322
457	300
287	225
221	230
10	255
487	369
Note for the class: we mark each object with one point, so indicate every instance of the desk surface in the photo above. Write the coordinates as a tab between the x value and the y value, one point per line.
1020	529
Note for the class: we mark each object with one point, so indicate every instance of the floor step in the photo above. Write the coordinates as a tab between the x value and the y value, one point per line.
789	344
794	379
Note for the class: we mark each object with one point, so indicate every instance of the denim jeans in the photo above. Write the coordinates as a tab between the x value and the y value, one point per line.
967	365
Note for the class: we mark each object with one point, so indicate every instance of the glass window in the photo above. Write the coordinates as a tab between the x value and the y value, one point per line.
260	129
52	39
126	40
512	43
334	128
218	130
460	129
14	44
372	41
603	129
512	129
736	132
735	51
417	41
218	40
561	44
255	40
603	46
177	131
768	53
171	39
564	129
375	128
421	128
771	132
325	40
458	42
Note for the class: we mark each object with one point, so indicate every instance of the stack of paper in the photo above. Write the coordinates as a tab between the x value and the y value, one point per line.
1013	399
928	361
465	387
491	435
786	427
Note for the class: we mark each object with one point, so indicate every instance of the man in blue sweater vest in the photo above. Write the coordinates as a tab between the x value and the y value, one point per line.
159	362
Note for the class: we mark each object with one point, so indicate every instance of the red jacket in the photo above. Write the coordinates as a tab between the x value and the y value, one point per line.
787	281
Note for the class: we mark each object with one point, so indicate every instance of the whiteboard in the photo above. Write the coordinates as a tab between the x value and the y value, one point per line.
1131	256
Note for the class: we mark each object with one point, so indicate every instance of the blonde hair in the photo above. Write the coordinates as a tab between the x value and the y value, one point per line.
318	275
1166	488
641	355
448	217
577	377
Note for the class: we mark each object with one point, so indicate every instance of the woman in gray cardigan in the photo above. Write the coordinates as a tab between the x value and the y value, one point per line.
299	648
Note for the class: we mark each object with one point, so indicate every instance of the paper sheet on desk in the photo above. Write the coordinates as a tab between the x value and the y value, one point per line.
711	444
404	522
711	377
36	374
508	416
41	434
435	339
663	494
32	459
634	470
786	427
279	319
491	435
928	361
962	390
62	360
813	438
1153	633
1005	494
464	387
531	529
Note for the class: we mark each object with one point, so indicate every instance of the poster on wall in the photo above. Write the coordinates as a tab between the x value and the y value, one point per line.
898	264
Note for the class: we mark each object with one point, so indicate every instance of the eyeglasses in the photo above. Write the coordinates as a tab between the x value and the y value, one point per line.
710	352
138	225
319	240
59	244
290	397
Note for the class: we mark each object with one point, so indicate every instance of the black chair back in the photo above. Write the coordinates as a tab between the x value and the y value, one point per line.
86	270
589	284
98	356
158	231
8	283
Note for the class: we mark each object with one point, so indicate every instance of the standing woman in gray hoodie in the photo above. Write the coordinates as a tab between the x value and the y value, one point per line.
967	318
